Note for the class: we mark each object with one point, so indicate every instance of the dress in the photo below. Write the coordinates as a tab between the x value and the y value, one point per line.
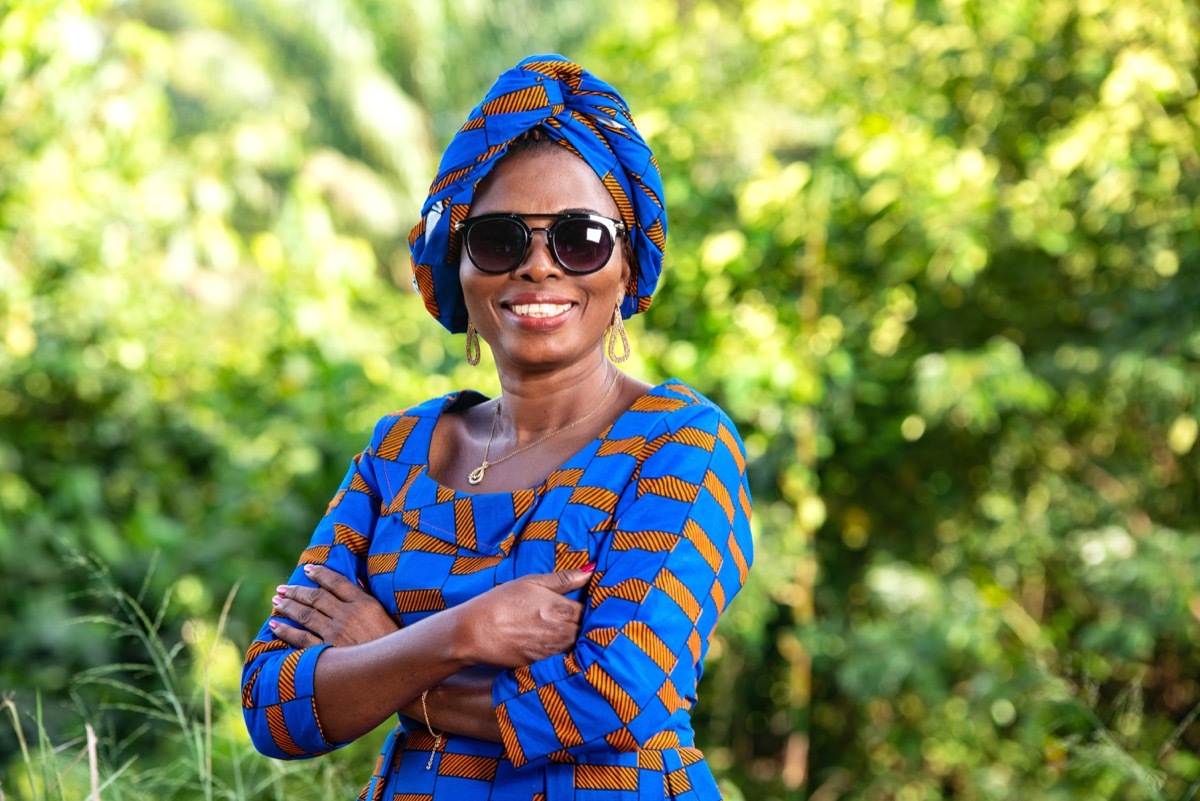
659	501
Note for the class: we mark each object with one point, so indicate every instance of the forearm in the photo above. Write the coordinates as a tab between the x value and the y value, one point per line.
358	687
461	704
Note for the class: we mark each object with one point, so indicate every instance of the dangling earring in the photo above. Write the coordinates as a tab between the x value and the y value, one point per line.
617	329
472	343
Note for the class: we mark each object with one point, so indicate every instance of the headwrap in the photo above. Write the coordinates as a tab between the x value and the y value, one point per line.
579	111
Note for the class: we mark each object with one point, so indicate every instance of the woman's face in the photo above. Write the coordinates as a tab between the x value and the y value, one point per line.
539	316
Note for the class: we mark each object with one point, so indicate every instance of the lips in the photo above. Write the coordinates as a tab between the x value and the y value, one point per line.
531	307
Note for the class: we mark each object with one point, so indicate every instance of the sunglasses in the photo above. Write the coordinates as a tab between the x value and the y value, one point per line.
581	243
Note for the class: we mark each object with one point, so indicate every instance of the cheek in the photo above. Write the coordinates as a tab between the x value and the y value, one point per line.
467	279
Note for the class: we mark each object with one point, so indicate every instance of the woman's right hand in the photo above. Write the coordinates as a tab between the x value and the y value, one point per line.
523	620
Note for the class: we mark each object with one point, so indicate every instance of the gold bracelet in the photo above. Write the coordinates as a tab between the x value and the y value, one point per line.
437	737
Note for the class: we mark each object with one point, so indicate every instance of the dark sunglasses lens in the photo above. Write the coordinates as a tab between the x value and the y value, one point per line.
582	246
496	246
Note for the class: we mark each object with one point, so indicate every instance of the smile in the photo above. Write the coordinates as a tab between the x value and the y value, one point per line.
539	309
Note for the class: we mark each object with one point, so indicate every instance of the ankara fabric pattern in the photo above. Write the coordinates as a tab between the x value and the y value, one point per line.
659	501
581	112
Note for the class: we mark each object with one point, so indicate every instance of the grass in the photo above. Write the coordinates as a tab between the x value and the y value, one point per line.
189	741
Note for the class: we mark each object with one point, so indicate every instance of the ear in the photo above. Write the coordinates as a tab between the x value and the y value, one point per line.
627	264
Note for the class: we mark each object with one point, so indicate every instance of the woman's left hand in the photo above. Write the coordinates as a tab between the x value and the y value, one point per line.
336	612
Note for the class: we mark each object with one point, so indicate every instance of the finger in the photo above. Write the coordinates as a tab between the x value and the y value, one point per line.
301	593
297	638
307	616
564	581
342	588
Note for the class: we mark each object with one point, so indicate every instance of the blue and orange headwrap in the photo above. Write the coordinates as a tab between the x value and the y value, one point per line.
579	111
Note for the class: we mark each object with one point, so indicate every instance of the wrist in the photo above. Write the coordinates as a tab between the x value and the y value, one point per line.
462	651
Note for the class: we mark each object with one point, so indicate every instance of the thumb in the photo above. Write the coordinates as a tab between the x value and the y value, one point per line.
564	581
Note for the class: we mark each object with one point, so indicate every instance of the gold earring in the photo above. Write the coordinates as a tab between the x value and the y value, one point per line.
472	343
617	329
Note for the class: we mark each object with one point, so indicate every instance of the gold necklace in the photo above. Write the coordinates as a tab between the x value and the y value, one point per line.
476	475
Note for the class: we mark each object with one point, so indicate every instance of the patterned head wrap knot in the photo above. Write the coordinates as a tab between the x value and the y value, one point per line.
582	113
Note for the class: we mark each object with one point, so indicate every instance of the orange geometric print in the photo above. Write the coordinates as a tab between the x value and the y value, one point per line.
287	676
337	499
625	707
540	530
389	449
653	541
623	205
568	72
668	487
526	99
248	689
420	541
644	638
678	782
700	540
466	565
657	403
632	589
563	478
344	535
622	741
679	593
712	483
279	731
508	735
419	601
314	555
359	484
466	766
631	446
696	438
560	718
595	497
605	777
260	647
566	559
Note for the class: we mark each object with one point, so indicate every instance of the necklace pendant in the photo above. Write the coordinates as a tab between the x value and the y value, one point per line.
476	475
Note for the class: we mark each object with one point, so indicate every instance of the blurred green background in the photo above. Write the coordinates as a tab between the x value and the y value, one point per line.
939	260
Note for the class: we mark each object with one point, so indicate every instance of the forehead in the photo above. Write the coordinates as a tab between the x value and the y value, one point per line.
542	181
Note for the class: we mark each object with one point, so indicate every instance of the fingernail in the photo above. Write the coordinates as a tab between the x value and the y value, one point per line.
275	601
281	589
308	568
274	624
589	567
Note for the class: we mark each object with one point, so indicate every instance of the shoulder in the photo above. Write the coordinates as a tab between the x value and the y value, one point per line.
674	405
395	428
673	411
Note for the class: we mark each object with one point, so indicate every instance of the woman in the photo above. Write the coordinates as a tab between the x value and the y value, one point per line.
540	572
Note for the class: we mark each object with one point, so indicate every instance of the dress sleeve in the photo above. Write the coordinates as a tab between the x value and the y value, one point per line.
679	550
277	680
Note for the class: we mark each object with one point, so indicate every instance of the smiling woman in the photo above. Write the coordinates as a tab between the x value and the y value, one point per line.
529	581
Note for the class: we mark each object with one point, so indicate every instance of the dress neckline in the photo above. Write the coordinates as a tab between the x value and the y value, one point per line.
454	400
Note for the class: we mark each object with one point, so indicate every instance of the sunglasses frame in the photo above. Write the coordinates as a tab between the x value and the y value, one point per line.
616	229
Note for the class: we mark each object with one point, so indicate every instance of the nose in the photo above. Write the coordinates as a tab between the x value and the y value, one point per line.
539	261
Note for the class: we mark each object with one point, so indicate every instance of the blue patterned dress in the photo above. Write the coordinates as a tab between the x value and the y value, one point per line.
659	501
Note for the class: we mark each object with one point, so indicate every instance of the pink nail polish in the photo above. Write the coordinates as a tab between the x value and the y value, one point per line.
308	568
281	589
274	624
589	567
275	601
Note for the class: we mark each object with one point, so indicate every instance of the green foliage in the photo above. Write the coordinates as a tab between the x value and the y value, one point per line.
939	260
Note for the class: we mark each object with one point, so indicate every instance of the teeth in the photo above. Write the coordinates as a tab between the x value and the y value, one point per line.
540	309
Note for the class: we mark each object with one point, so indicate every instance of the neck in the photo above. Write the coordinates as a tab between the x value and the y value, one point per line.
533	404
